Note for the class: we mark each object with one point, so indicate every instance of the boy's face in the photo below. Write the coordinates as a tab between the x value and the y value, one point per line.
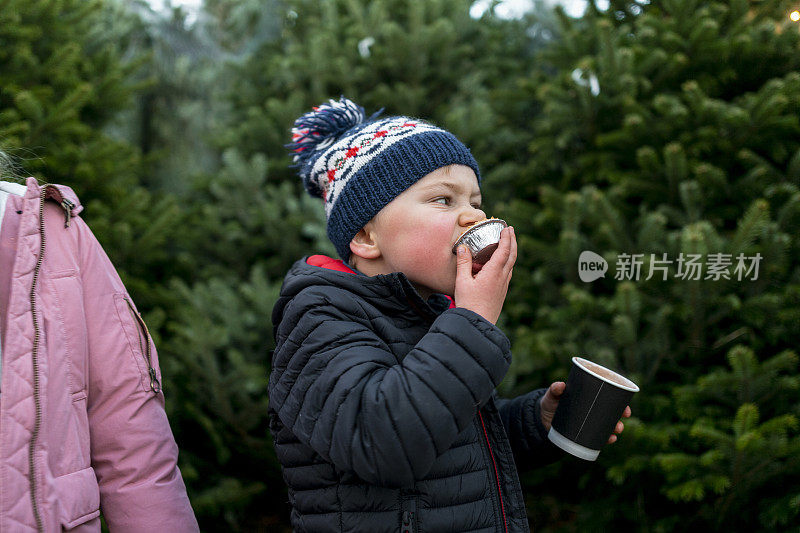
415	232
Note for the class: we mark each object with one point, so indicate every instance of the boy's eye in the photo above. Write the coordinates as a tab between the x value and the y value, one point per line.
442	200
476	206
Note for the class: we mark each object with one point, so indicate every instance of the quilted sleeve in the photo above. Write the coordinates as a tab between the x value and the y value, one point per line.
523	424
133	451
342	392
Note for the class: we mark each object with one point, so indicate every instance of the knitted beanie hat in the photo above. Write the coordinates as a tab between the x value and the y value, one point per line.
357	165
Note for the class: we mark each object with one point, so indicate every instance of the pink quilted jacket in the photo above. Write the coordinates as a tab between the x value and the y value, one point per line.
82	420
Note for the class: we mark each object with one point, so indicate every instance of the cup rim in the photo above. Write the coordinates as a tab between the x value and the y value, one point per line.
476	225
633	387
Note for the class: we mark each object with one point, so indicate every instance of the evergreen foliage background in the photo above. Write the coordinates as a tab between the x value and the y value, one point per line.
651	127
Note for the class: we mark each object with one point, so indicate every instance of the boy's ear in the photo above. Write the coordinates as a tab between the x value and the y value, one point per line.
363	244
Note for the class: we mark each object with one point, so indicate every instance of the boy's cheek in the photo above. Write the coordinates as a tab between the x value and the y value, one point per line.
427	260
435	266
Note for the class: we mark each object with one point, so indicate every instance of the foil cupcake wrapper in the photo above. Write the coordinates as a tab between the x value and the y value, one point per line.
482	239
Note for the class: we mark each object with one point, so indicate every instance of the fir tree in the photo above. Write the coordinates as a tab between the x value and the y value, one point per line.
65	85
62	82
425	59
666	128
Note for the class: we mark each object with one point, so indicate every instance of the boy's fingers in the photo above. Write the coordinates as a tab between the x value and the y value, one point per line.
500	256
627	412
463	262
512	256
499	259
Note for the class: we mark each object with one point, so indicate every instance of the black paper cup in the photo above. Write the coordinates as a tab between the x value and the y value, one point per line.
590	408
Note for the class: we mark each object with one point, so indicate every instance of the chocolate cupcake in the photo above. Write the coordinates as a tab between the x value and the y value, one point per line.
482	239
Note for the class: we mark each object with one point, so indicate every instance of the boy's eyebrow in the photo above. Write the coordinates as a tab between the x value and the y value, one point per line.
452	186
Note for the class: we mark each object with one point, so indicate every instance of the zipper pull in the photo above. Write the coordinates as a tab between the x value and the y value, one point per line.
155	386
67	206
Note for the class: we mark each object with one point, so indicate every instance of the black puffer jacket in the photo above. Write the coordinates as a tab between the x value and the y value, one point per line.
383	410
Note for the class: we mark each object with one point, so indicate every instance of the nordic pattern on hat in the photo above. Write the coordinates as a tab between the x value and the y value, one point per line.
334	168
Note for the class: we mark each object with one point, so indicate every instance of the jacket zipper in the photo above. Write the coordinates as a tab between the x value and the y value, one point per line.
408	518
67	206
37	424
155	385
496	475
35	361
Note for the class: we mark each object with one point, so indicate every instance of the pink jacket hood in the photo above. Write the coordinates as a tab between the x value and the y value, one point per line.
82	420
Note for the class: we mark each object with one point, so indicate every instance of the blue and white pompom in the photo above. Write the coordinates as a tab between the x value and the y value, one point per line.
319	128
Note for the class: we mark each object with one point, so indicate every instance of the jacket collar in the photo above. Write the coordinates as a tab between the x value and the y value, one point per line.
61	194
393	293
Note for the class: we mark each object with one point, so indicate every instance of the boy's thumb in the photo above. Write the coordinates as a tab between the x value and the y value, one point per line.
463	262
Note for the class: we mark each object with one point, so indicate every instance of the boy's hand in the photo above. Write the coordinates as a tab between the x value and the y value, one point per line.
549	402
485	292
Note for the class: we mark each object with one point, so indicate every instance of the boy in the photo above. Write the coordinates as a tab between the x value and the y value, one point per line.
382	393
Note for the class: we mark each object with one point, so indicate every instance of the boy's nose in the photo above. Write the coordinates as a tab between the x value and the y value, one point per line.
470	215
